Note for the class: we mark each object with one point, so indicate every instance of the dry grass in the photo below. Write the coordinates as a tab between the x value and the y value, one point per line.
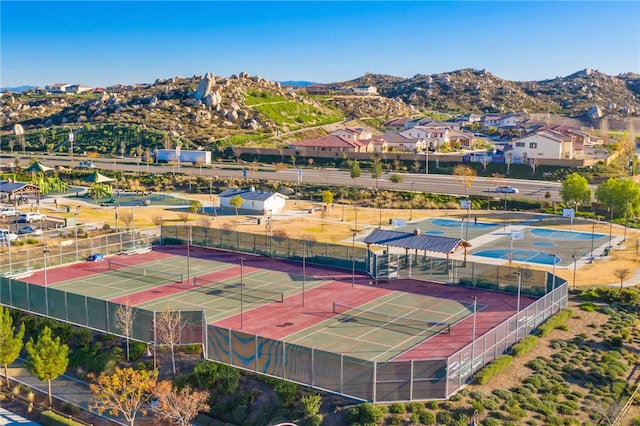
336	223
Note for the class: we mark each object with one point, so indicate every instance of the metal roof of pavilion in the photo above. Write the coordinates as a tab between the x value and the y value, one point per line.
410	240
17	187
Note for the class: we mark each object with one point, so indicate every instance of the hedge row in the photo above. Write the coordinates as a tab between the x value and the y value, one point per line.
497	366
49	418
554	322
525	345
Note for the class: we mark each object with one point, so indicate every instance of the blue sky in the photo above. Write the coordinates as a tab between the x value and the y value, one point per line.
103	43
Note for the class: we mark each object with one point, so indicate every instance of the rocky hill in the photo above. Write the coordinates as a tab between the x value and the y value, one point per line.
242	109
585	93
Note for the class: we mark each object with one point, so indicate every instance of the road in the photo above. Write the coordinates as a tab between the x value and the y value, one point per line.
434	183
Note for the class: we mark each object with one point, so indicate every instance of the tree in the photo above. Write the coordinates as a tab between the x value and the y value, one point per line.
376	170
169	328
157	220
621	273
195	206
127	218
575	188
466	175
623	194
179	406
123	319
47	358
99	190
125	391
184	217
10	340
396	178
236	202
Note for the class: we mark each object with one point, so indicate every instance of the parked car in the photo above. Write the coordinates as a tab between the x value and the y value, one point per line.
29	230
507	189
31	217
6	212
86	165
6	235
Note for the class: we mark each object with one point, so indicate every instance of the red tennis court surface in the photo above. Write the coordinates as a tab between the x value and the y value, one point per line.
280	320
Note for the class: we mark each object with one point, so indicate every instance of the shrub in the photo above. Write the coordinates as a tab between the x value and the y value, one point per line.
524	346
497	366
397	408
286	393
554	322
49	418
589	307
311	405
427	418
191	349
366	413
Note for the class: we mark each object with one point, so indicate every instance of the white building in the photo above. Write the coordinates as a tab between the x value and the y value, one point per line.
544	144
186	156
254	202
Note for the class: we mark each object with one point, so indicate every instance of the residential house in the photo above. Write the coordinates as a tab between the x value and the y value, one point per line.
464	139
57	88
396	124
547	144
469	118
430	122
435	136
397	142
317	89
357	133
333	143
77	88
254	202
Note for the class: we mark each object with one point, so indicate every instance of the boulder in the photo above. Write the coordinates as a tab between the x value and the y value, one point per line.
205	85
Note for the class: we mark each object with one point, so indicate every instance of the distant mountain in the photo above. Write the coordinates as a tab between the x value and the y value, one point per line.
471	90
297	83
18	89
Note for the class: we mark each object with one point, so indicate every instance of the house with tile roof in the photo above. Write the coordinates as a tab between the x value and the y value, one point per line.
397	142
396	124
546	144
253	202
357	133
333	143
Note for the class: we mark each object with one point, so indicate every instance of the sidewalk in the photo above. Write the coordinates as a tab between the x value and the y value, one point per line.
64	388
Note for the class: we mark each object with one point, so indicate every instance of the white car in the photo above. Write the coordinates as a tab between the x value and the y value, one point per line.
31	217
86	165
6	212
507	189
7	235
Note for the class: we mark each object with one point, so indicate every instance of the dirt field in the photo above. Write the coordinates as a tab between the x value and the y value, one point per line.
337	222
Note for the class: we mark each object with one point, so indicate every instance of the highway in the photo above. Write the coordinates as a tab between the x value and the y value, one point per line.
433	183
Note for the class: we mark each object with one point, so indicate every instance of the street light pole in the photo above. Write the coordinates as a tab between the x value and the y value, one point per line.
304	267
518	303
575	264
411	202
593	228
426	160
45	250
242	259
353	257
473	341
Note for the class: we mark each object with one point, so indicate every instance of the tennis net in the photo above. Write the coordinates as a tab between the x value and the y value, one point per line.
235	291
394	322
141	271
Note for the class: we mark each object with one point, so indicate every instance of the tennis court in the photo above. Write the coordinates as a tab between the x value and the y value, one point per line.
333	310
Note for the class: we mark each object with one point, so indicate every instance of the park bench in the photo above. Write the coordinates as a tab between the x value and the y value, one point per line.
18	273
137	249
